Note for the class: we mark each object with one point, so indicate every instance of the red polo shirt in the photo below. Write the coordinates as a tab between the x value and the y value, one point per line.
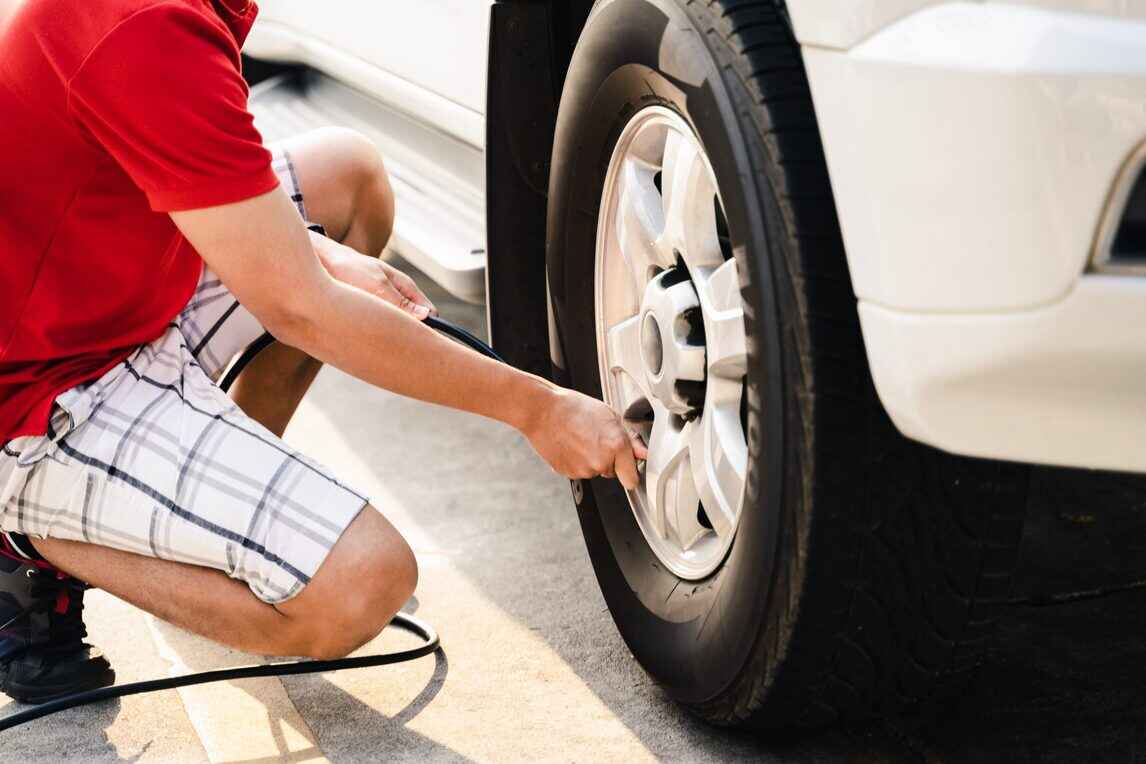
112	113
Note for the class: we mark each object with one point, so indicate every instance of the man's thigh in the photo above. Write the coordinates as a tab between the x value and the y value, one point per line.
162	463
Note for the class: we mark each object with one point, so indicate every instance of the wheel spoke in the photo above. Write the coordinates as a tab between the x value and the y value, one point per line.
667	449
718	456
625	355
719	293
640	222
682	508
689	205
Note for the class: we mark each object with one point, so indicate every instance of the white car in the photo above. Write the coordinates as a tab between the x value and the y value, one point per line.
830	257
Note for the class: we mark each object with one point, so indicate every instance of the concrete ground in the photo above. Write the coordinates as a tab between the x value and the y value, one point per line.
533	669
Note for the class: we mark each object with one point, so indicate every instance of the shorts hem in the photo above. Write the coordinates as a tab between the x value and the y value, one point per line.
356	505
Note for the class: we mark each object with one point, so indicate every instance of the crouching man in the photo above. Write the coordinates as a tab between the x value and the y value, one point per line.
148	236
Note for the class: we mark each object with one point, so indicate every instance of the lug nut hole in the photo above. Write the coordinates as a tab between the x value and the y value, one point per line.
651	344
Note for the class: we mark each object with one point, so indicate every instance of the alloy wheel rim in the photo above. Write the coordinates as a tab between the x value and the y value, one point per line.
670	339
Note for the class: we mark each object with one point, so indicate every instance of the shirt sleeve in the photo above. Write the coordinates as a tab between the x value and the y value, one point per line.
163	94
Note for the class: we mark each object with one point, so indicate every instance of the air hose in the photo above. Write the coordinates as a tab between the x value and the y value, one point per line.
430	642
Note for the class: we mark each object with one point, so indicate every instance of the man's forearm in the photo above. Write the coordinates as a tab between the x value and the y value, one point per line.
375	341
275	269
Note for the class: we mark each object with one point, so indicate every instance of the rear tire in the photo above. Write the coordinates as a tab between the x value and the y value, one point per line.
866	569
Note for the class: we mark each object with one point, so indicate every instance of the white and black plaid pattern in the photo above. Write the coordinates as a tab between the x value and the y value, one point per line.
284	169
154	458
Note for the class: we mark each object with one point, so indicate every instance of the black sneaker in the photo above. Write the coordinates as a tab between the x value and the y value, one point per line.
43	655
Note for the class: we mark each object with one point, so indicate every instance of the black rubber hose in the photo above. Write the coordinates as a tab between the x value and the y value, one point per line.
245	358
401	620
462	336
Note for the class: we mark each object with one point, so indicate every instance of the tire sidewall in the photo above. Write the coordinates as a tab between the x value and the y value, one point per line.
694	637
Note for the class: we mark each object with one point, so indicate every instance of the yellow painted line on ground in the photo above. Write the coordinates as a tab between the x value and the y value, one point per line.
246	720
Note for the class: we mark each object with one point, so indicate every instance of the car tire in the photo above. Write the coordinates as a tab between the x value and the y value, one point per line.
866	569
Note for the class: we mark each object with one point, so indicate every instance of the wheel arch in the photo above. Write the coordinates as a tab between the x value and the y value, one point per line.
531	44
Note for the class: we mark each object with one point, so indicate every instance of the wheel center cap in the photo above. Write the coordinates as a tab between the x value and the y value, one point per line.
673	360
652	346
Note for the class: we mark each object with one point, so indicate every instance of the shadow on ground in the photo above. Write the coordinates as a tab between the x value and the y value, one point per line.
1068	678
91	744
1065	680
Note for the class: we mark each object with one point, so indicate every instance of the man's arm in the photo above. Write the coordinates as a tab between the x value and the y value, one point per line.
260	250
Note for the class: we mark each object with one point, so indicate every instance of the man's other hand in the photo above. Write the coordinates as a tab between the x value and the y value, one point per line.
372	275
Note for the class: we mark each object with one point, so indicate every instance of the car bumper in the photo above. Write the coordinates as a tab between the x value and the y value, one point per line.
1063	384
973	150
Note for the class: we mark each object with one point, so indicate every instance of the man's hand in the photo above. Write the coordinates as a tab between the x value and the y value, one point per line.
372	275
581	437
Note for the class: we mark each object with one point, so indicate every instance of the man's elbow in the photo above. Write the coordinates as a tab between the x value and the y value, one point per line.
291	323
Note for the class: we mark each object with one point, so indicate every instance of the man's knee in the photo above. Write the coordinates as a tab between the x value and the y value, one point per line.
366	179
345	186
367	606
368	576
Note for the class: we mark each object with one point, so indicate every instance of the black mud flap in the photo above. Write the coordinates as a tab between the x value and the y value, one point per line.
521	111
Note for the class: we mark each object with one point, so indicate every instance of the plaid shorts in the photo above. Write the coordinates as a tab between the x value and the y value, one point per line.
154	458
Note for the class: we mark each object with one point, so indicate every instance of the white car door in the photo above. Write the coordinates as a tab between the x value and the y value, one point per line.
428	57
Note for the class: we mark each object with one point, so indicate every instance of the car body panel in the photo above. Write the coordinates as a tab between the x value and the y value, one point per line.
427	58
1060	384
973	150
843	25
832	24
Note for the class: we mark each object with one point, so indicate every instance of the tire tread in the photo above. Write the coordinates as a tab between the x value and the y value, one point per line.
899	553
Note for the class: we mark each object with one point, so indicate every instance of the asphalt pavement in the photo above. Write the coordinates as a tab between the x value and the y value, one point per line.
533	669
